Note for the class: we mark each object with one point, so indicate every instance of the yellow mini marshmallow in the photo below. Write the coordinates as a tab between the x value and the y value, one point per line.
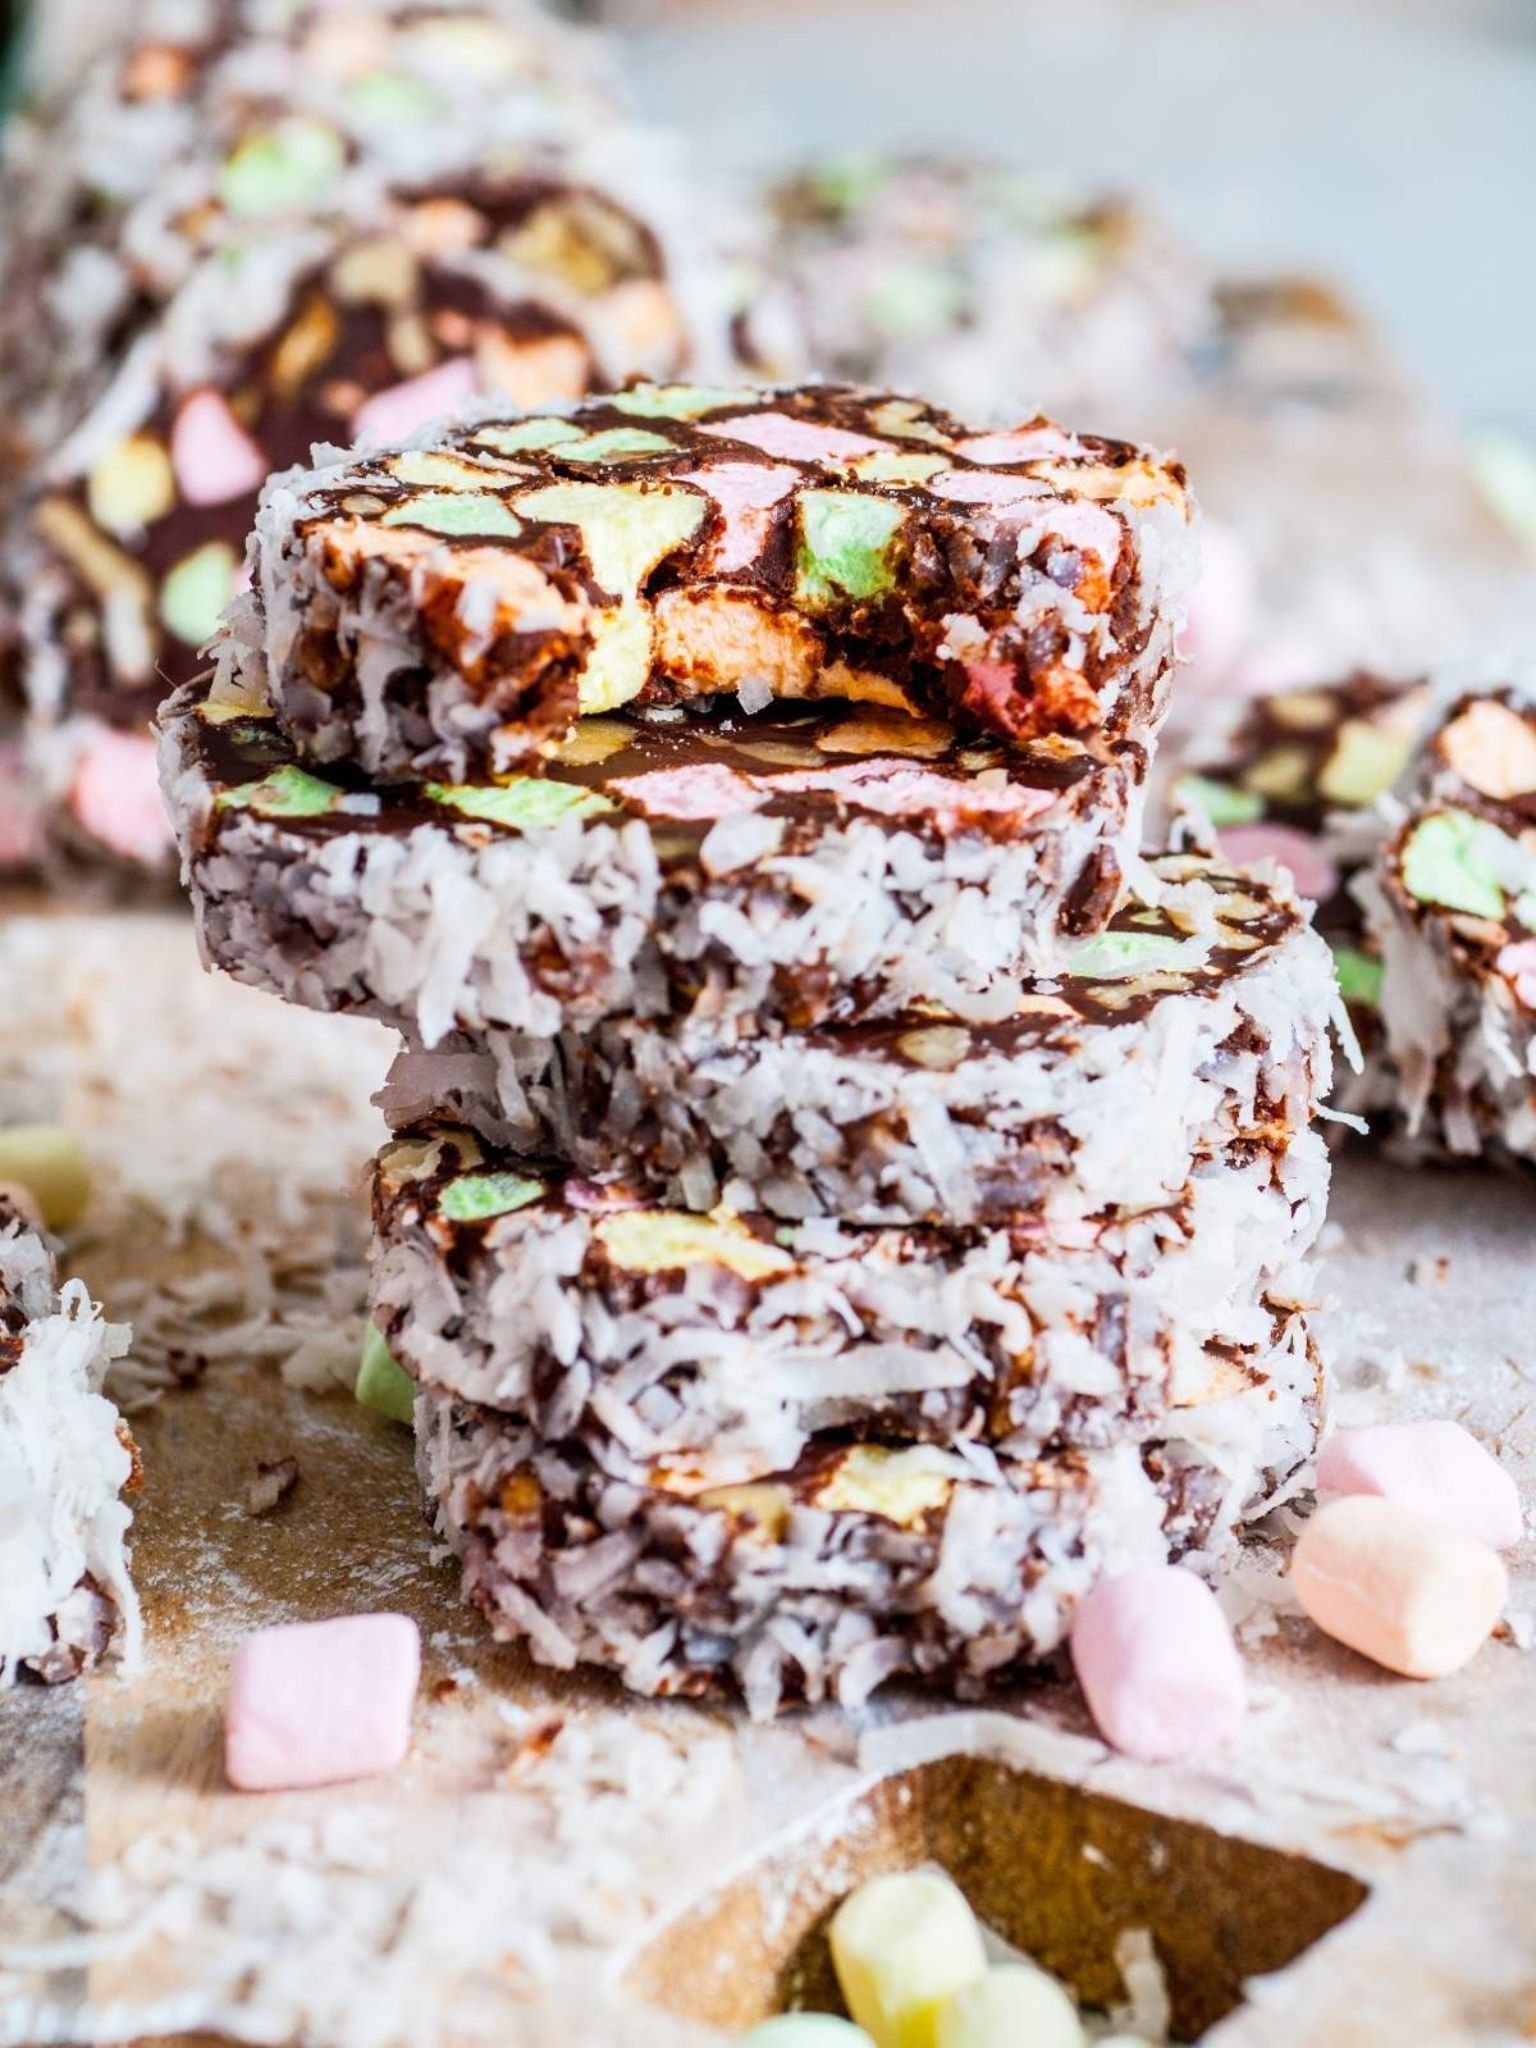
50	1163
1016	2006
903	1945
1407	1592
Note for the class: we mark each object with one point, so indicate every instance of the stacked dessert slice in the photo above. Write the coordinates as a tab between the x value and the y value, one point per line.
842	1200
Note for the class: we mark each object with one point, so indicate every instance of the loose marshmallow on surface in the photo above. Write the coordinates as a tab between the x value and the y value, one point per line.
807	2030
1407	1592
902	1945
1157	1664
1016	2006
1437	1467
316	1703
50	1163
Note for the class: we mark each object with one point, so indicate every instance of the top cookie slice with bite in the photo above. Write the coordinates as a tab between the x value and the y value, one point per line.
451	608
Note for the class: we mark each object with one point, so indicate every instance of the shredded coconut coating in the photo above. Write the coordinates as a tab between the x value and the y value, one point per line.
1154	1047
66	1458
861	1564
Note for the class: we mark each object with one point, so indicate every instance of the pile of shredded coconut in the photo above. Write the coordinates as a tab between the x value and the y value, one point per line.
64	1463
365	1925
218	1123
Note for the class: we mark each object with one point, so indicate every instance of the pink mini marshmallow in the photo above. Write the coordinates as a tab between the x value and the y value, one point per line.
1084	526
895	789
396	413
708	790
746	494
984	487
214	458
1518	964
991	688
320	1702
1439	1468
1312	868
1019	444
1221	608
790	440
1157	1664
116	796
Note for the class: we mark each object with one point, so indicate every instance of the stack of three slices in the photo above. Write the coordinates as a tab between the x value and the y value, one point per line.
842	1201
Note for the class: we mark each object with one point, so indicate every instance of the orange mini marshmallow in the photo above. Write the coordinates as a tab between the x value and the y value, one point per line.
1407	1592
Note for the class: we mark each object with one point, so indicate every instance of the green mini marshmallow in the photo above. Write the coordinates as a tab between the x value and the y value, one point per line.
382	99
1505	469
846	539
679	401
619	665
1113	955
528	434
526	803
1217	801
1360	977
288	792
1453	861
479	1196
1364	764
899	468
616	444
457	513
285	168
196	594
848	183
382	1382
